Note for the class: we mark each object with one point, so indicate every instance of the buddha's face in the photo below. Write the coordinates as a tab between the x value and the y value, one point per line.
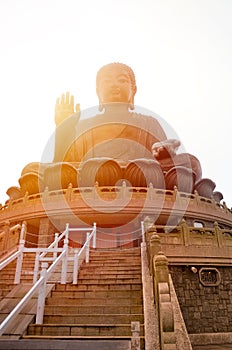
115	85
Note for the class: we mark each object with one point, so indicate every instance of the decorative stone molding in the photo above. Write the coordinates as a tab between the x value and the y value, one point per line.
209	276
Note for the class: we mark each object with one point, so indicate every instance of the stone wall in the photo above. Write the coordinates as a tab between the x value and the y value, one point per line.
206	309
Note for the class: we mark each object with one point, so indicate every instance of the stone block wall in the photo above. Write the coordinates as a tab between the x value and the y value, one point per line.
206	309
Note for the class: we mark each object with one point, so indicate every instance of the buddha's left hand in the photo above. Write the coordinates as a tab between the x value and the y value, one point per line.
165	149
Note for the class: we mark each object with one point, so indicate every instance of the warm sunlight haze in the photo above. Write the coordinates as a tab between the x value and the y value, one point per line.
180	51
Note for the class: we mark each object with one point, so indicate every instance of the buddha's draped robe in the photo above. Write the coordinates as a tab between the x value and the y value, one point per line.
116	134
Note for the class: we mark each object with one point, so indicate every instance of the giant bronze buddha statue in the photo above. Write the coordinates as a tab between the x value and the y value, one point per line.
113	146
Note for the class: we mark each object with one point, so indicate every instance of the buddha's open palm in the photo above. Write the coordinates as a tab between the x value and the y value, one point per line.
64	108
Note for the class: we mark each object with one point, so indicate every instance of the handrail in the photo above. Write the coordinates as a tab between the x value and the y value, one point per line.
29	295
56	240
8	260
40	285
53	248
85	247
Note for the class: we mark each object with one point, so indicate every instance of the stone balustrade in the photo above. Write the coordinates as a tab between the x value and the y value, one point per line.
199	245
9	237
153	201
172	331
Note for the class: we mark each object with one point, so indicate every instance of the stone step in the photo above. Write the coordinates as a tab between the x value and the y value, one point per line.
105	265
6	288
10	270
110	271
112	267
107	280
92	318
224	346
94	301
92	309
82	276
104	286
112	251
64	344
114	260
114	255
6	275
98	294
19	325
123	252
6	285
72	329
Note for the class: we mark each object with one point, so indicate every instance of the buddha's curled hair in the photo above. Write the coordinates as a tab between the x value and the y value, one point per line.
123	66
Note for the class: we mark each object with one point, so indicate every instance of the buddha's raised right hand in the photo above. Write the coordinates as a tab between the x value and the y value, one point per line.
64	108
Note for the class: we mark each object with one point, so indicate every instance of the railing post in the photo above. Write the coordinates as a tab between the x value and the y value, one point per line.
41	295
150	191
143	231
94	235
36	267
55	245
65	259
19	262
75	267
155	248
87	248
123	190
23	231
163	301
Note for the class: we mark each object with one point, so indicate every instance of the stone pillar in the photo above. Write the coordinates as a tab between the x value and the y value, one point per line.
46	233
6	230
185	232
218	234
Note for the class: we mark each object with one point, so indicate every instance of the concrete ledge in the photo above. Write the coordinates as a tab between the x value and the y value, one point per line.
210	338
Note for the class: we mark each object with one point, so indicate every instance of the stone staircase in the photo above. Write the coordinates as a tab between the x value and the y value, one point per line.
11	294
7	275
100	308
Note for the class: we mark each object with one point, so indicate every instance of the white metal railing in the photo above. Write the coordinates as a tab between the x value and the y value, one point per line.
143	231
83	253
53	248
40	285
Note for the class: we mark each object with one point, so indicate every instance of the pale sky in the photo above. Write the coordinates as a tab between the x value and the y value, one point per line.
180	51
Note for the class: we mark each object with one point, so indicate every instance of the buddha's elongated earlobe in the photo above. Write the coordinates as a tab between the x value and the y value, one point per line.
100	107
131	105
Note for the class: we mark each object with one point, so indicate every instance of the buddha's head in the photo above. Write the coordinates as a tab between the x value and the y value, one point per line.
116	84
